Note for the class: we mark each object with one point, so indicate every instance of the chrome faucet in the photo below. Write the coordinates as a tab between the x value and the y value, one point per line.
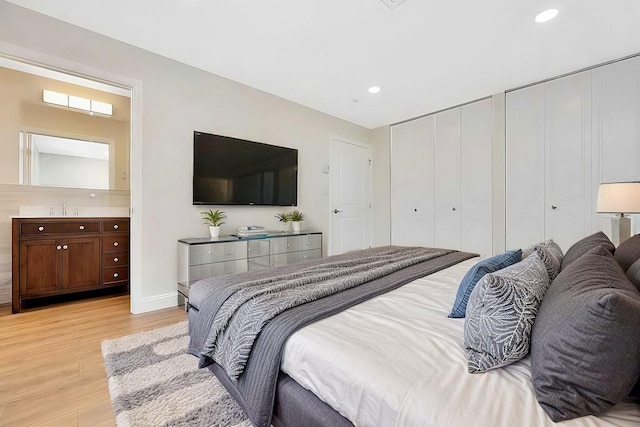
64	208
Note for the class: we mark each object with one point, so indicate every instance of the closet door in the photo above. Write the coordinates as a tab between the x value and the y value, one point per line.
616	126
476	139
525	167
412	183
568	196
447	179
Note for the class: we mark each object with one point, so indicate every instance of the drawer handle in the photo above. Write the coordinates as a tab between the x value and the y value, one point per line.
65	247
309	243
115	226
116	244
115	275
81	227
58	247
41	228
288	245
228	254
116	259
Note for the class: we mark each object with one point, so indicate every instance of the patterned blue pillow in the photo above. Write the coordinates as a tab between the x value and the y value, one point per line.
489	265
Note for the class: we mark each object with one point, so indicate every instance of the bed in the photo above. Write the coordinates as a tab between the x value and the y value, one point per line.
415	372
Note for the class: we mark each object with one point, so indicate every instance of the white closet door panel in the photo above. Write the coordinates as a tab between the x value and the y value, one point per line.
616	120
447	179
476	190
568	204
412	183
525	167
616	127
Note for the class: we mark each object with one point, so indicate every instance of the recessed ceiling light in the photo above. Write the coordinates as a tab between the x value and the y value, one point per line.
374	89
547	15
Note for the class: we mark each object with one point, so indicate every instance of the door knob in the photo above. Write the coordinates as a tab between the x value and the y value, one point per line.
336	211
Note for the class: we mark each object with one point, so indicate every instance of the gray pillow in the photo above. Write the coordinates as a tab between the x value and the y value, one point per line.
500	314
585	345
583	246
628	252
633	274
550	253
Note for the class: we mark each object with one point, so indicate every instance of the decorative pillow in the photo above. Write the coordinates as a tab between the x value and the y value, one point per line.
500	314
550	253
633	274
476	272
585	348
583	246
628	252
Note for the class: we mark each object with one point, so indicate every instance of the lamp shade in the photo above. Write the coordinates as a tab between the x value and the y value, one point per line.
619	197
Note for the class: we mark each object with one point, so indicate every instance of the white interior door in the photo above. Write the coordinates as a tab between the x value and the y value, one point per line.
447	179
351	175
412	183
568	204
476	138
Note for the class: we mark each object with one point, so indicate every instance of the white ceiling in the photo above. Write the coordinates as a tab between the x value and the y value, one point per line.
425	55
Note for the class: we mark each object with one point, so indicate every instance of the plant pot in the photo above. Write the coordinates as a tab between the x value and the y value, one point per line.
296	226
214	230
285	227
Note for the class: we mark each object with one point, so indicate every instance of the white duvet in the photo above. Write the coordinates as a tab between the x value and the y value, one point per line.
398	360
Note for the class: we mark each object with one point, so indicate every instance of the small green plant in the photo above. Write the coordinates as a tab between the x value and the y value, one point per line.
214	218
296	216
283	217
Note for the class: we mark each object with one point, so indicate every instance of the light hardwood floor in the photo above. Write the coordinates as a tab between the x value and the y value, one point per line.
51	368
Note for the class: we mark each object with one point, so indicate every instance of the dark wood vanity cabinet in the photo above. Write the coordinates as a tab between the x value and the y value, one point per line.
53	256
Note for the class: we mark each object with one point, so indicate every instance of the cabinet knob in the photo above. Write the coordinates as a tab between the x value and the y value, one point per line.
228	254
81	227
288	245
58	247
41	228
554	207
309	243
65	247
116	244
115	275
116	259
115	226
453	208
415	210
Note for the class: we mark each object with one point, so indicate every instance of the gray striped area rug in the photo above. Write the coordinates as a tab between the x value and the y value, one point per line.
154	382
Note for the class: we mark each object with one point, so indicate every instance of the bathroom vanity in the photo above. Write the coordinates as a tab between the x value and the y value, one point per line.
55	256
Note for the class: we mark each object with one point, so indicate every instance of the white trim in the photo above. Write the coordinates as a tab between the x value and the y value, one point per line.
152	303
19	53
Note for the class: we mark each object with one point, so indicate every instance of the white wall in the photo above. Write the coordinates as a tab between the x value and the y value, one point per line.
381	144
175	100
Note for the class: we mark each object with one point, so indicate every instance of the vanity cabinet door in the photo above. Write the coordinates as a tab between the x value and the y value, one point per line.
81	262
40	267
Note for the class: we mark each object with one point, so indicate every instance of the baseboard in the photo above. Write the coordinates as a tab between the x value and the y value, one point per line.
156	302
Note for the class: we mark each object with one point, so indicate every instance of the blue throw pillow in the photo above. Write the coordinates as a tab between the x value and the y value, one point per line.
489	265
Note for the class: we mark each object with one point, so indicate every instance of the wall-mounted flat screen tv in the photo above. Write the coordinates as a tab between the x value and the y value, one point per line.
232	171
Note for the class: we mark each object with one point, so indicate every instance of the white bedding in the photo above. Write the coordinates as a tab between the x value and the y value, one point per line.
398	360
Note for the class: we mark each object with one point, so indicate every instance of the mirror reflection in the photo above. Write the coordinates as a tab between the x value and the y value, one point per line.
65	162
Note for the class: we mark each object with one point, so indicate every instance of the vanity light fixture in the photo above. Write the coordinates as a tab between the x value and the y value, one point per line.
374	89
546	15
90	106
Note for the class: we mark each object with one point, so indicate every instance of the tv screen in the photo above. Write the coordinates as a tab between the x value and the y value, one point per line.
231	171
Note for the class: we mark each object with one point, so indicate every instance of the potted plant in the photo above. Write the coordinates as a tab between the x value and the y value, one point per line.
296	217
214	219
283	217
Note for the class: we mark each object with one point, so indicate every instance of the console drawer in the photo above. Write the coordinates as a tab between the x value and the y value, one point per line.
115	242
114	259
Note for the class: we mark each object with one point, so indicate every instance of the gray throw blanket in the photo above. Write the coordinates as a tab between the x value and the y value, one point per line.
253	304
255	389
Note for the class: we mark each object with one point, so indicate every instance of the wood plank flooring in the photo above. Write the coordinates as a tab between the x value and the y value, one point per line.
51	369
